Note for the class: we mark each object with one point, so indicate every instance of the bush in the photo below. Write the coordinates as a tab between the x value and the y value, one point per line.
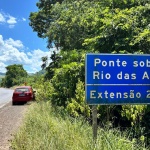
48	128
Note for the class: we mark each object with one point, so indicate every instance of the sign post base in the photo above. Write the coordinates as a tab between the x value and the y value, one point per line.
94	123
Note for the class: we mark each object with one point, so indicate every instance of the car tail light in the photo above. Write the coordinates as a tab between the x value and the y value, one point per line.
15	94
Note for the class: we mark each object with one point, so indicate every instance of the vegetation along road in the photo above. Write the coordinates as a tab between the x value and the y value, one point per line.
10	117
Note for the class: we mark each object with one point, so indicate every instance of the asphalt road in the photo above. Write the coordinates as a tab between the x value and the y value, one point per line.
11	118
5	96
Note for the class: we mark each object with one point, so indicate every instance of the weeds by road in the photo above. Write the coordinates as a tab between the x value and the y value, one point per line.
46	128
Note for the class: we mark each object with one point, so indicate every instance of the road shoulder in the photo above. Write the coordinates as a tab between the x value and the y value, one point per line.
11	118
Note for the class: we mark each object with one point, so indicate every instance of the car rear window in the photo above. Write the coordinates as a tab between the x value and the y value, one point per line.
22	90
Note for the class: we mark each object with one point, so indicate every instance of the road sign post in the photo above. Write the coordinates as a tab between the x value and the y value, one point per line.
117	79
94	120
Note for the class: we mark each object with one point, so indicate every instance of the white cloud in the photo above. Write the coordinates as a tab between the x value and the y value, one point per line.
2	65
12	52
29	54
35	57
16	43
23	19
1	41
2	18
11	20
8	19
11	26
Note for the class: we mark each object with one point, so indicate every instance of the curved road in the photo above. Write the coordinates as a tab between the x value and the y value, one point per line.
10	117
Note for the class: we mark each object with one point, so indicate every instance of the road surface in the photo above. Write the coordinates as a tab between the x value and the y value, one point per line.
5	96
10	117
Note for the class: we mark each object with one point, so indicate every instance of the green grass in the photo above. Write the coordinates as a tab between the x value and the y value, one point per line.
47	129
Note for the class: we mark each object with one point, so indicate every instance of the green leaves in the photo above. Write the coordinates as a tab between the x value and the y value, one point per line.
76	27
15	75
105	26
132	112
66	76
77	106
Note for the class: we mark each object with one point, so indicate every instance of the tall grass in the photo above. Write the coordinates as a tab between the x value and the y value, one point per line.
46	128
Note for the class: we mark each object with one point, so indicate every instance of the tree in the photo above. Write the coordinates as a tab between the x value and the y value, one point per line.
122	31
103	26
66	77
14	74
55	58
106	26
41	20
60	22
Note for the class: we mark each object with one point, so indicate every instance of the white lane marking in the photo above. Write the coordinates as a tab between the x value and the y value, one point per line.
4	104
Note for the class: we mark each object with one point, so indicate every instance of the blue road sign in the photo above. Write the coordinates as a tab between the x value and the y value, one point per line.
117	79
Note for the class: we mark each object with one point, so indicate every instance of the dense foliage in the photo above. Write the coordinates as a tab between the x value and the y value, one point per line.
105	26
15	75
76	27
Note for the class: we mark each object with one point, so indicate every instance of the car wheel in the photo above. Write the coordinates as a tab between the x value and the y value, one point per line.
14	103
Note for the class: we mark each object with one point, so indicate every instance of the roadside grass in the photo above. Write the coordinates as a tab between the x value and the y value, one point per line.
46	128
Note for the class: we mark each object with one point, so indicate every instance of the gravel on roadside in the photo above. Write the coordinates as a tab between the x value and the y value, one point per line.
10	119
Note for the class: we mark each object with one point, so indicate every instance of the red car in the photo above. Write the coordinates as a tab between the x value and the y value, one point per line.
23	94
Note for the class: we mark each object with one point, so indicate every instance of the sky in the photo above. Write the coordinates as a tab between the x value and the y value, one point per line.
18	43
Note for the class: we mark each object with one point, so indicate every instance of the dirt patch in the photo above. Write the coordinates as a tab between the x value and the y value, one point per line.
10	119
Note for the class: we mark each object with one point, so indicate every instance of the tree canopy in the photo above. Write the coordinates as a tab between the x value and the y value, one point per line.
14	75
104	26
76	27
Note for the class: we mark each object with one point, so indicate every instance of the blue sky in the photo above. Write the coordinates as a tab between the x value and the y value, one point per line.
18	43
